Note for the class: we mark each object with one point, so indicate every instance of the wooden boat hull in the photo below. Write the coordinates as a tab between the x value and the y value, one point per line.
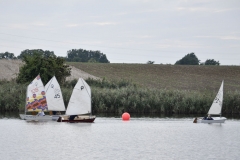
215	120
81	119
38	118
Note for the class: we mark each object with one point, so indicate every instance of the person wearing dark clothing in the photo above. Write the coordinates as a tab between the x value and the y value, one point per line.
71	118
209	117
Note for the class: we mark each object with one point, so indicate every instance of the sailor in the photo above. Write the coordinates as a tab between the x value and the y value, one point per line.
72	117
41	113
58	113
209	117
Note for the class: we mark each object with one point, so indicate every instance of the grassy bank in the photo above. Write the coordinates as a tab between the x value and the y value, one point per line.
145	88
169	77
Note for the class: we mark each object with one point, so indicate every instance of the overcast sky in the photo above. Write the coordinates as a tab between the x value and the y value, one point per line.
127	31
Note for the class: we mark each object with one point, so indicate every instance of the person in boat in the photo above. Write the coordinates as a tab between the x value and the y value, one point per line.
209	117
72	117
204	118
58	113
41	113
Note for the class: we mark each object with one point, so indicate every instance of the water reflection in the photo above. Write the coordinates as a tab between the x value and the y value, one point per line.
161	115
15	115
9	115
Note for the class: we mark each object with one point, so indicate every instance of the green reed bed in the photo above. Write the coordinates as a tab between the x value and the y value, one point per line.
140	100
122	95
135	99
12	96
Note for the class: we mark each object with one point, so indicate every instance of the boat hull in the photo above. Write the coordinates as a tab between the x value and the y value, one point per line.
80	119
38	118
215	120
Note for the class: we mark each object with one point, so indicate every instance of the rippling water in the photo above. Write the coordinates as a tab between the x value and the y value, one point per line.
112	138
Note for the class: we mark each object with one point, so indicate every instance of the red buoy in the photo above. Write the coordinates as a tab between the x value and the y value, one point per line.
125	116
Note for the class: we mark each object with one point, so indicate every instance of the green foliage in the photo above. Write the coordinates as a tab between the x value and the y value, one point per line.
27	52
104	83
45	65
189	59
70	84
211	62
12	96
150	62
80	55
128	98
139	100
7	55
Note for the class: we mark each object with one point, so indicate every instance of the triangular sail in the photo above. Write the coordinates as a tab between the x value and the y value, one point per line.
54	95
35	98
216	107
80	100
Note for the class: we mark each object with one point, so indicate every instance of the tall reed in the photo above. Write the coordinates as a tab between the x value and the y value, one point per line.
12	96
122	95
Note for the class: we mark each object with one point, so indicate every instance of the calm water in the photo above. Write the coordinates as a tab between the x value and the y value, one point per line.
112	138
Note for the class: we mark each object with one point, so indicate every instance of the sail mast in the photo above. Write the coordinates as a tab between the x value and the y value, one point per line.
26	101
222	99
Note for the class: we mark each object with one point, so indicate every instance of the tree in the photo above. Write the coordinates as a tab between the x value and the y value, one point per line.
28	52
150	62
189	59
7	55
211	62
47	67
80	55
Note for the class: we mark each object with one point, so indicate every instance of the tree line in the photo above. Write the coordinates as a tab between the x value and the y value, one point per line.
81	55
74	55
191	59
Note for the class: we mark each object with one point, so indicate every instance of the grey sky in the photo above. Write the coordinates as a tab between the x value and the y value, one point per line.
127	31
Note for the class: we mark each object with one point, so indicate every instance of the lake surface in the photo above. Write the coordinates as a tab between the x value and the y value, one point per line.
111	138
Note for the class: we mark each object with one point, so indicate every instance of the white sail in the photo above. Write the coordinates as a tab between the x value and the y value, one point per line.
216	107
54	95
80	100
35	98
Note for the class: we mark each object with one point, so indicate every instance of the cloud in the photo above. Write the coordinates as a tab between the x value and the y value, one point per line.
72	25
18	26
221	37
104	23
39	24
92	23
195	9
230	38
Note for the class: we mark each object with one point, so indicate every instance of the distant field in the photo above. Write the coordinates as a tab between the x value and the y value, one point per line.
168	76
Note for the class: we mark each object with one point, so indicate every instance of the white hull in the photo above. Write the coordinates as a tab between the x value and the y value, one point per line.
215	120
38	118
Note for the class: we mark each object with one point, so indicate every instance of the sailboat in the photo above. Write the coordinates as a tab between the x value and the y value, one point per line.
35	101
79	104
54	97
215	109
40	98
